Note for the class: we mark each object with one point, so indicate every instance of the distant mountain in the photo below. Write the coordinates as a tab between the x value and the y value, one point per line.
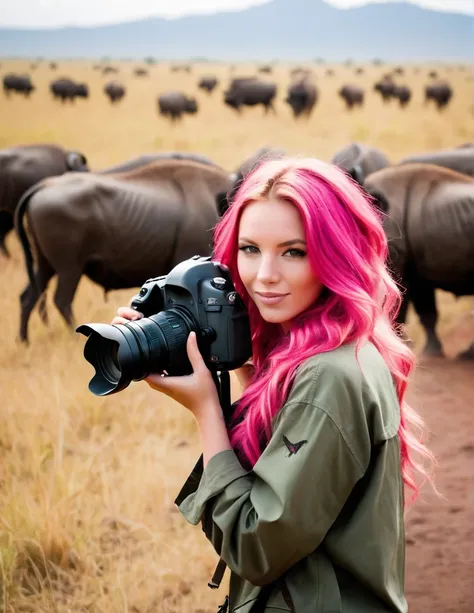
281	29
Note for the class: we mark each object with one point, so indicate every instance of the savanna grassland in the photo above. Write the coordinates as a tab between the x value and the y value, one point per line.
87	484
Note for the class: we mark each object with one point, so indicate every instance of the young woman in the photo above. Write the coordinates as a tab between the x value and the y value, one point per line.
302	493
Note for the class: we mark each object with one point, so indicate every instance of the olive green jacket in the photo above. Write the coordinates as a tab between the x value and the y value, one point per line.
322	508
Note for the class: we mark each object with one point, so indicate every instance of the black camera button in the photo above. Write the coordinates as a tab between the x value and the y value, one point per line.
217	308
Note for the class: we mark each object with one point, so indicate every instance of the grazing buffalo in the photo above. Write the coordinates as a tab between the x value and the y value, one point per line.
433	74
208	83
359	160
115	91
23	166
399	70
440	92
174	104
353	95
460	159
250	92
17	83
330	72
109	70
386	88
117	229
266	69
430	216
148	158
67	89
53	66
140	72
403	94
302	96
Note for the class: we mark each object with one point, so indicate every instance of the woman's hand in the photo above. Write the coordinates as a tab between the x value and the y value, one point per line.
196	392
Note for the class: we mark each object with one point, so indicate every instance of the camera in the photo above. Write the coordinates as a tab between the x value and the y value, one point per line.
198	296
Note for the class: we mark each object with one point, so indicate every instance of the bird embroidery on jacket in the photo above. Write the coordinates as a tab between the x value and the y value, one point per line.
293	448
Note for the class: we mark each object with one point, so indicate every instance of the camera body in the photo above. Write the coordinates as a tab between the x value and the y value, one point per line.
203	289
197	296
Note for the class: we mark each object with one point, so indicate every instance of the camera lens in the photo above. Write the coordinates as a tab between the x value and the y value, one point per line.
130	352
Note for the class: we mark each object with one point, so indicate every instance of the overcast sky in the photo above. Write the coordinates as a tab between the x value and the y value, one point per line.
40	13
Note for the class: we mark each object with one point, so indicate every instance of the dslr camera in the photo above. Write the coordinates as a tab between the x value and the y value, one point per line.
195	296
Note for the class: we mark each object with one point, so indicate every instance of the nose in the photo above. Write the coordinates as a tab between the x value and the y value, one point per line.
268	271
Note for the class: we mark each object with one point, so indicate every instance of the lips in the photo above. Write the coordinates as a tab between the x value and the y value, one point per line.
270	297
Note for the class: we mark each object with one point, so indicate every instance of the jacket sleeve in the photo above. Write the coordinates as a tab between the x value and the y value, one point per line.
263	522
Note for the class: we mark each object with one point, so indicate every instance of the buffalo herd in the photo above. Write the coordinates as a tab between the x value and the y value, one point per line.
302	93
121	225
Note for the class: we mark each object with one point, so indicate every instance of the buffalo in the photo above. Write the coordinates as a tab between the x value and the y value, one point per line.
460	159
23	166
353	95
117	229
67	89
174	104
428	223
250	92
440	92
386	88
17	83
115	91
140	72
302	96
208	83
359	161
403	94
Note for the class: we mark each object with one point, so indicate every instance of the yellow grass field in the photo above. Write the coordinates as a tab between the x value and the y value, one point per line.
87	520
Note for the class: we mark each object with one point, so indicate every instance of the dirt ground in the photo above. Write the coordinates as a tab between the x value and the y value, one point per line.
440	531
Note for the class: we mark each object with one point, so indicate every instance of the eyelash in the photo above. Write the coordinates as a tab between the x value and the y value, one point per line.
299	252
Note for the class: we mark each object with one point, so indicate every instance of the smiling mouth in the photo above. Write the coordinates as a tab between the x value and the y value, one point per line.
271	298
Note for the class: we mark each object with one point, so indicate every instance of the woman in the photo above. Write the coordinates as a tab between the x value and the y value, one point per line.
302	493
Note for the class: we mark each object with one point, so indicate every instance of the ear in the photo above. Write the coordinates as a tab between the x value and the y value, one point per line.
76	161
357	173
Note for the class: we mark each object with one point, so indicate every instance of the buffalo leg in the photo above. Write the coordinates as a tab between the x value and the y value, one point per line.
6	224
423	297
30	295
68	281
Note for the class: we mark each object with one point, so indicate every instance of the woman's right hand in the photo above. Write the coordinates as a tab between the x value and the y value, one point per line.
124	315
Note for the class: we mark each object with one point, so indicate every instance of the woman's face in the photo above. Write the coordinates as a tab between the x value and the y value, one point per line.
273	262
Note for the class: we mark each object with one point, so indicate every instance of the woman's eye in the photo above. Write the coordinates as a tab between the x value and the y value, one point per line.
296	253
248	249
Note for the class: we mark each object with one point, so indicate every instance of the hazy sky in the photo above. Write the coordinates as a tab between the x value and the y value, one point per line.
39	13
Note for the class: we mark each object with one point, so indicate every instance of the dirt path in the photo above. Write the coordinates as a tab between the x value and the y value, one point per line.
440	531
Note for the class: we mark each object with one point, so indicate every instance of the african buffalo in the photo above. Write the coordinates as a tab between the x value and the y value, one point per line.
109	70
403	94
460	159
386	88
250	92
67	89
430	216
352	95
23	166
302	96
266	69
148	158
117	229
440	92
208	83
115	91
17	83
140	72
359	160
174	104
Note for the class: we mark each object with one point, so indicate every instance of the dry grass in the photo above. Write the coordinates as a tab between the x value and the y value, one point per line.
87	521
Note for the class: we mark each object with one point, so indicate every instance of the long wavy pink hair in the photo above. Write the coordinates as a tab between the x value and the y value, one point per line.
347	249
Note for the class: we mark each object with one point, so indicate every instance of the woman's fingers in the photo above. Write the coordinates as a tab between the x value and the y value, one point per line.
119	320
128	313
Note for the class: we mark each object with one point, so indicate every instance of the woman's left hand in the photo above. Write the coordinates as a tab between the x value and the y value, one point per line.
196	392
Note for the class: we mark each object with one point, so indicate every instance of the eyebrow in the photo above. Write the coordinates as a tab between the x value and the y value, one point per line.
294	241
